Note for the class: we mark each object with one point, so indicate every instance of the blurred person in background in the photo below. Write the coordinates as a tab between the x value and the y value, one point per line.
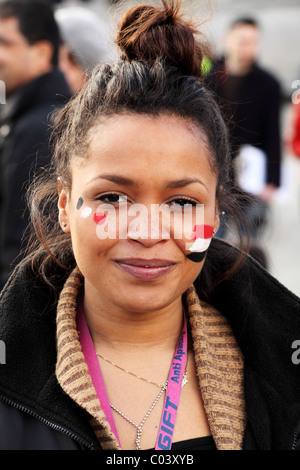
29	44
84	44
251	99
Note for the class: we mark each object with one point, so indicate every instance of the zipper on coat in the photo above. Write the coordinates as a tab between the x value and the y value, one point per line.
295	439
56	427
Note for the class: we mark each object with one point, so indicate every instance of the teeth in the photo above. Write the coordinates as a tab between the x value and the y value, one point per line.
148	266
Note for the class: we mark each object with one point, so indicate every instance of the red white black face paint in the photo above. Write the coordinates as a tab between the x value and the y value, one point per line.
202	234
86	211
99	218
79	203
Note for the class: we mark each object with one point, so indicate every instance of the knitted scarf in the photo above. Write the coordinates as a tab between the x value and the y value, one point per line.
219	366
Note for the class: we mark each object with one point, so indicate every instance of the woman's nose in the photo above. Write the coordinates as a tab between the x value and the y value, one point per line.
147	224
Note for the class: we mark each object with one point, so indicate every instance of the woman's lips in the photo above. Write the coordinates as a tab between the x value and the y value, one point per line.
146	270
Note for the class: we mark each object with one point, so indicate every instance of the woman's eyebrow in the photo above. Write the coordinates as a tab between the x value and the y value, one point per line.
184	182
115	179
124	181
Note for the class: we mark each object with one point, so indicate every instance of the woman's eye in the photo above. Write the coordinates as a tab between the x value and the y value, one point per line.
183	202
112	198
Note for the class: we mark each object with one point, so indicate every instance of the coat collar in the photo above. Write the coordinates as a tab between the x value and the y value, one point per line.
218	361
263	314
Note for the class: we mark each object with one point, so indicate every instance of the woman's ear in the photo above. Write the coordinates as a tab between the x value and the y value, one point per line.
41	53
63	200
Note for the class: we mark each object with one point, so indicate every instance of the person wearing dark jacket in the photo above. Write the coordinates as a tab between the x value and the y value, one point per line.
253	102
136	328
251	99
35	88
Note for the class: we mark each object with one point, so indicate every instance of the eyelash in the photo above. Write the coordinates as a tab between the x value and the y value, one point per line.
104	198
182	201
185	201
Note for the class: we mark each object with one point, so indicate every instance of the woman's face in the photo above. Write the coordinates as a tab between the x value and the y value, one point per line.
129	245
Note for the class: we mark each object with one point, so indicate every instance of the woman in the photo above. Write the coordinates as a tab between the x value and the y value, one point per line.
109	346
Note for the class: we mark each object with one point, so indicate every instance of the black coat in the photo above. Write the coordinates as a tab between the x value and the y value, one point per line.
24	148
35	413
252	107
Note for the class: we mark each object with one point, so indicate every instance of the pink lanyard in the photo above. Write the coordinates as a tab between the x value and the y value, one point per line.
169	414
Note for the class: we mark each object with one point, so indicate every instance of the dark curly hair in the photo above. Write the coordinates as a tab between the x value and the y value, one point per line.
158	73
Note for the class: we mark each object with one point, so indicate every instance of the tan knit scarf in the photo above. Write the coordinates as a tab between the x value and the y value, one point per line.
219	365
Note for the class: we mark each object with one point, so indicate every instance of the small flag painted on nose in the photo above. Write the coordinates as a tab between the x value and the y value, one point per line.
202	234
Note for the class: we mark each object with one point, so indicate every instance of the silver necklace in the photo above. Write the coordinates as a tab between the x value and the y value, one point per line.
163	387
184	381
140	426
131	373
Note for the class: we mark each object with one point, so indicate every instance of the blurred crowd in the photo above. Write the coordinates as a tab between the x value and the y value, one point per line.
47	52
46	55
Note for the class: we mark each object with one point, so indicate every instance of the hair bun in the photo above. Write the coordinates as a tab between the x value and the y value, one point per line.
147	32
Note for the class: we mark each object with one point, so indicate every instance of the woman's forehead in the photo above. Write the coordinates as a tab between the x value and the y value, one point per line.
137	144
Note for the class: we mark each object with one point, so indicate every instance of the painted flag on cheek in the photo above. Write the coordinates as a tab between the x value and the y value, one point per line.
202	234
99	218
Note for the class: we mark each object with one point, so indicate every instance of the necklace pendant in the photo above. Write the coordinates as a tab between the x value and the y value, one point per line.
138	438
184	380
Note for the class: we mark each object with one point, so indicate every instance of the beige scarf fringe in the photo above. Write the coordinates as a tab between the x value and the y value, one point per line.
218	360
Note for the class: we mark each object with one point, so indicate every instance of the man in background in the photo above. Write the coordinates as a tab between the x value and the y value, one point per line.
85	44
251	99
29	44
